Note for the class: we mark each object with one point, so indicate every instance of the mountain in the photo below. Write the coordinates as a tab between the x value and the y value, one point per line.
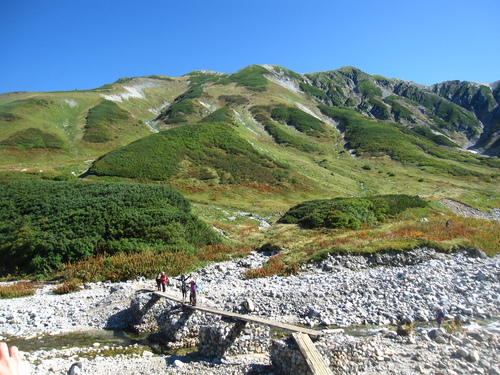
263	129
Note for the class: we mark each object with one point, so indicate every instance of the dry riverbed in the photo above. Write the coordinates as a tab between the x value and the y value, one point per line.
340	291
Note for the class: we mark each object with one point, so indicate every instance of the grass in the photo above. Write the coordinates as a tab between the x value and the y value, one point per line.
17	290
148	263
304	246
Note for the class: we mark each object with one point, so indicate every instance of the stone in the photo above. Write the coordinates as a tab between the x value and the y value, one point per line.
455	340
403	331
464	353
178	363
440	340
480	254
75	369
467	311
313	312
249	305
473	356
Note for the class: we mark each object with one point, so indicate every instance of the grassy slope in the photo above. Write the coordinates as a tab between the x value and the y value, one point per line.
331	171
64	113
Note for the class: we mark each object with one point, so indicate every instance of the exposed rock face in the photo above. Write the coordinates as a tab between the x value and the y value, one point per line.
482	100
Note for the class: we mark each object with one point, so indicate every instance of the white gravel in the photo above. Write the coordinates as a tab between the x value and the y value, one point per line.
341	291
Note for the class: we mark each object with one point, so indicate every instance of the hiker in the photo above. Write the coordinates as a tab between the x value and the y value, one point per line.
440	316
11	362
184	286
192	295
158	281
447	224
164	281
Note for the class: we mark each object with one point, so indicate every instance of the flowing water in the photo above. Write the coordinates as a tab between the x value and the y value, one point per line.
83	339
88	338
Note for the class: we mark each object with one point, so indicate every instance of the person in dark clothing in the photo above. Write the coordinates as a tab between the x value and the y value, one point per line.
184	286
440	316
158	281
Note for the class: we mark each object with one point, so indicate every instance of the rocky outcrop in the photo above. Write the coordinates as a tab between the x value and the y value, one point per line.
468	211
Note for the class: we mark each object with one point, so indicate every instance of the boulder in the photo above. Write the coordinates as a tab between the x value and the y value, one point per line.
249	305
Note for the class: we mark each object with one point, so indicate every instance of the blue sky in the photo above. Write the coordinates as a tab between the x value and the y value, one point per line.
55	45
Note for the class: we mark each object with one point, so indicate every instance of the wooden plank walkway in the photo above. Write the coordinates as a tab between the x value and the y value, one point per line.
311	354
247	318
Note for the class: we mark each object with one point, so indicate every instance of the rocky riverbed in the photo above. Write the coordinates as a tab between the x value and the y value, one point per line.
339	291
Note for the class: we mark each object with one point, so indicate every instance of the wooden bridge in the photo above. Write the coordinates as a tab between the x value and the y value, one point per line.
301	335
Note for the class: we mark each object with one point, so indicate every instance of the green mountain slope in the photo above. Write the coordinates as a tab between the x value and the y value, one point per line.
202	151
341	132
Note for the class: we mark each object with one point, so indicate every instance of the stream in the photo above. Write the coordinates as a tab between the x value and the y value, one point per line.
88	338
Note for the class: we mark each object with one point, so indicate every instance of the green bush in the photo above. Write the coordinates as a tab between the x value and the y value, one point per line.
313	91
99	120
398	110
302	121
376	138
378	110
279	134
182	106
349	213
234	99
199	77
44	223
33	138
368	89
436	138
251	77
7	116
220	115
215	146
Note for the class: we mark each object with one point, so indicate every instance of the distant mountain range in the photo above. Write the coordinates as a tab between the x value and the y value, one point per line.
277	126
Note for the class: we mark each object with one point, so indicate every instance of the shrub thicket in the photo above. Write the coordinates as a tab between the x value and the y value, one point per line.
203	146
99	120
280	135
199	77
313	91
236	100
252	77
182	106
349	212
33	138
45	223
302	121
220	115
398	110
438	139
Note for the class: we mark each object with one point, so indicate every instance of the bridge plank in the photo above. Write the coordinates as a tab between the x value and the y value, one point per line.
311	355
247	318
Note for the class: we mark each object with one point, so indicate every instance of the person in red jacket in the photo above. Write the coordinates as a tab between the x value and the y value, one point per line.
164	281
